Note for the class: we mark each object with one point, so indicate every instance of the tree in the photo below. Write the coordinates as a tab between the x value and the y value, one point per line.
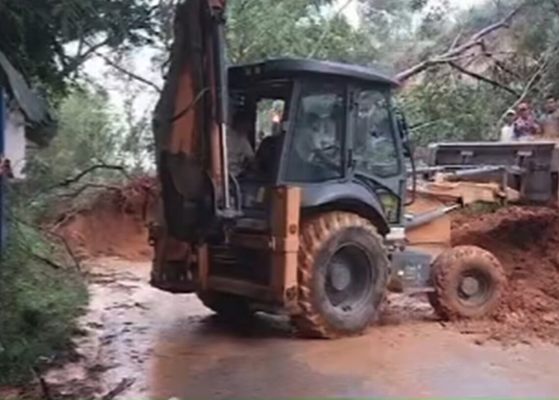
87	135
293	28
48	41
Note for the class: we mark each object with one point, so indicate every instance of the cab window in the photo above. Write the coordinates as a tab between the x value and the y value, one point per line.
374	141
315	149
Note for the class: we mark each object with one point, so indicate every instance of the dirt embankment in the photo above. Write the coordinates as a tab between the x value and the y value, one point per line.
113	224
525	240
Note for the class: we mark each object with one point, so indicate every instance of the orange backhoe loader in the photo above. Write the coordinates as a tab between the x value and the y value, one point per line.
320	219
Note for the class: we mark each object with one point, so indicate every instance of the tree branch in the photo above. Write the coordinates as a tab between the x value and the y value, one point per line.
483	79
75	62
89	186
326	30
69	181
121	387
132	75
474	41
50	232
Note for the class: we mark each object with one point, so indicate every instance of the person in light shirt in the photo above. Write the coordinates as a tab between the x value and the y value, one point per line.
507	131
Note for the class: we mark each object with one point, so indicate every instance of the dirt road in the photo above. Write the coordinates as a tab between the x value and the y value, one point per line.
162	346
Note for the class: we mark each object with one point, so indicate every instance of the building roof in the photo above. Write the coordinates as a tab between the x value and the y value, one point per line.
287	67
34	108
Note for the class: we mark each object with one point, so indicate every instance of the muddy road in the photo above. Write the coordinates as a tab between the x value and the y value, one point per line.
156	345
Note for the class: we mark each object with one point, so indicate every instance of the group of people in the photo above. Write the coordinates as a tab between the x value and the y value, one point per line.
523	124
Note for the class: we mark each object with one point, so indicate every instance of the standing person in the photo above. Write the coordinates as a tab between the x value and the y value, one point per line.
550	119
507	131
525	125
6	168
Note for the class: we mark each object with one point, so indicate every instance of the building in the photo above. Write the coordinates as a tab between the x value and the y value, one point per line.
26	118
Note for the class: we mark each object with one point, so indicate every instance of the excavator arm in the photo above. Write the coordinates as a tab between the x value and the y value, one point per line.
190	122
190	138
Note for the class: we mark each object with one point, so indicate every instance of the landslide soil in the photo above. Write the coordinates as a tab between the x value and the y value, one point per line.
128	319
113	224
525	240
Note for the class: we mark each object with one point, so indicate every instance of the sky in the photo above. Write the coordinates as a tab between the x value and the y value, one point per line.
145	101
351	11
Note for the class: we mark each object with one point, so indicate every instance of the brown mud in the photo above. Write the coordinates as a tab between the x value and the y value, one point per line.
166	346
113	224
153	344
524	239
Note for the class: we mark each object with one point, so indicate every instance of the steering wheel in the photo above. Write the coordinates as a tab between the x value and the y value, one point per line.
327	154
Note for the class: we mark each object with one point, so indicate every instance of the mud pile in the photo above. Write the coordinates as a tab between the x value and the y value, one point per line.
526	241
113	224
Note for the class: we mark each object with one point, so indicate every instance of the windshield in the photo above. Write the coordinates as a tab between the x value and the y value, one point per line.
375	146
315	149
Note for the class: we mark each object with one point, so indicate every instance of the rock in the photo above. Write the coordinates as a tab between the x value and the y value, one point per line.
550	318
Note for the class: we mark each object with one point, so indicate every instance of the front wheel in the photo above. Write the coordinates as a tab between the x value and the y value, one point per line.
468	282
342	276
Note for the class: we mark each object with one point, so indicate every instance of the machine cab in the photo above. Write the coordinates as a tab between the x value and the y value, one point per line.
325	127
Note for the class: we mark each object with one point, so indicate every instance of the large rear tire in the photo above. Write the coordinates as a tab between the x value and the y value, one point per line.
342	276
469	283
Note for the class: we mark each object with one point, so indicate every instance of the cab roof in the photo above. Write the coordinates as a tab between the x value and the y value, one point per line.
282	68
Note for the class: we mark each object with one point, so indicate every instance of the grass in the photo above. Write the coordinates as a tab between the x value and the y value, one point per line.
38	309
480	207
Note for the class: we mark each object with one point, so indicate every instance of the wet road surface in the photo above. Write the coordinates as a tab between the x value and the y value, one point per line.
171	346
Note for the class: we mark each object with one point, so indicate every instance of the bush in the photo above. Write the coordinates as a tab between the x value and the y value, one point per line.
38	307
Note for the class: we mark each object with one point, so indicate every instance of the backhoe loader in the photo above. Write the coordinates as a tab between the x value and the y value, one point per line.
320	220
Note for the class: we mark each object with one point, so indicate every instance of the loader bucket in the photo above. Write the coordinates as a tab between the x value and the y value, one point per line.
529	167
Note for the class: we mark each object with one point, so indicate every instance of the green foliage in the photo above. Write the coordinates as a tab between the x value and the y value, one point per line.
258	30
87	135
34	34
481	208
453	110
39	305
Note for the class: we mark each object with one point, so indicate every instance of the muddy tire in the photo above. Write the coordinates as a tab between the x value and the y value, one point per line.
228	306
469	283
342	276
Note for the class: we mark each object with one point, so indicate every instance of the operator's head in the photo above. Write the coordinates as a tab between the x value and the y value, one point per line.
313	121
523	110
550	104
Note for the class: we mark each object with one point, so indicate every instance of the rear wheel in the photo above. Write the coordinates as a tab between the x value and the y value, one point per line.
342	274
469	283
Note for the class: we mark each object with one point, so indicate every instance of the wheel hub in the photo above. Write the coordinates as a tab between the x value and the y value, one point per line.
470	286
340	276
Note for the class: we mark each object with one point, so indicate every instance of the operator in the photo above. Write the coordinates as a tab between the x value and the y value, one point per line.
307	142
239	151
